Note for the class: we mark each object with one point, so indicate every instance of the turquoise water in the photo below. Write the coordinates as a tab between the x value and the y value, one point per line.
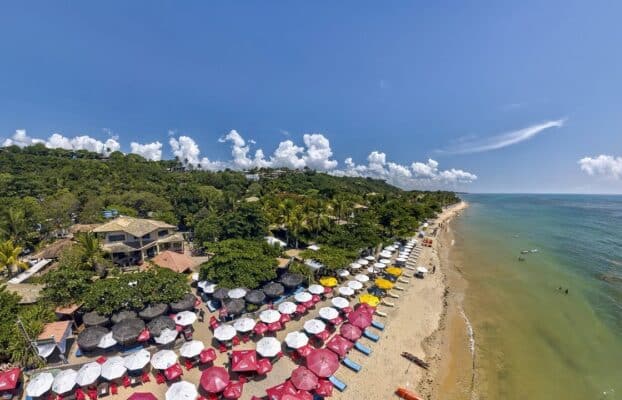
533	340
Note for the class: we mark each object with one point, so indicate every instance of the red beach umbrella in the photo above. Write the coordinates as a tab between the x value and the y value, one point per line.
284	389
275	326
304	379
366	308
173	372
350	332
144	336
264	366
322	362
300	309
260	328
339	345
305	350
9	378
214	379
233	390
324	388
304	395
207	355
244	360
142	396
359	319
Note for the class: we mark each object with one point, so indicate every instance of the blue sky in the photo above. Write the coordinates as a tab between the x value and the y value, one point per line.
387	84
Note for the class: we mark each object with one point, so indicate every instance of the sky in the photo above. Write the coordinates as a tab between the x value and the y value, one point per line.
472	96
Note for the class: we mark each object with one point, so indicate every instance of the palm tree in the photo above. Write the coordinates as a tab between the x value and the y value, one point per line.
13	224
9	258
296	223
91	251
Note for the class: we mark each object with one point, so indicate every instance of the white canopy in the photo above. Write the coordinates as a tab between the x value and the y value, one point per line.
137	360
65	381
166	336
345	291
385	254
207	287
181	391
328	313
380	265
314	326
39	384
224	332
107	341
422	270
355	285
343	273
370	258
269	316
113	368
371	270
244	324
296	339
88	373
385	261
237	293
340	302
390	248
163	359
363	261
185	318
361	278
287	307
316	289
191	349
268	346
302	297
355	265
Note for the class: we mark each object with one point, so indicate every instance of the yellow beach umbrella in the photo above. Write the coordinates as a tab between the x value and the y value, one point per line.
369	299
383	283
328	281
395	271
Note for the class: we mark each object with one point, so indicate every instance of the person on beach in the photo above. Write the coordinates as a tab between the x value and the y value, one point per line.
434	269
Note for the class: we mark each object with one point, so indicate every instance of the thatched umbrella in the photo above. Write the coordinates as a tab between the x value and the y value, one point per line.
235	306
127	331
290	280
273	289
94	318
90	337
122	315
153	310
185	304
221	294
255	297
158	324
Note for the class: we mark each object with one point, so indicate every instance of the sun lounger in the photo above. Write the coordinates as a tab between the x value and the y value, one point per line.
380	313
402	280
351	364
340	385
377	325
371	336
387	303
410	268
362	348
391	294
212	305
398	288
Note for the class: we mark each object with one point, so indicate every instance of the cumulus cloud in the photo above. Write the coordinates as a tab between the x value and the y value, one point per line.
475	145
58	141
150	151
239	152
187	151
603	165
318	152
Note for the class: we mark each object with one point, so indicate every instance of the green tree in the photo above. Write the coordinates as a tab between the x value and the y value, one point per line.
9	305
9	258
332	258
66	285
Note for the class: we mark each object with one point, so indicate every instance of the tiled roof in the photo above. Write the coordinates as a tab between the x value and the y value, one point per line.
134	226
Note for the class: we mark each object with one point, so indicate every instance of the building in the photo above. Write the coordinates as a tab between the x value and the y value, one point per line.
130	240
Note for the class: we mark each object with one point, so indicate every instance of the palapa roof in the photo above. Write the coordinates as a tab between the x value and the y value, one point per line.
173	261
54	330
134	226
54	250
282	262
67	310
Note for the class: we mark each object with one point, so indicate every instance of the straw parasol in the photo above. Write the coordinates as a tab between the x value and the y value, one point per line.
89	338
328	313
39	384
255	297
237	293
314	326
273	289
316	289
184	304
137	360
127	331
163	359
268	347
383	284
339	302
166	336
64	382
88	373
369	299
328	281
291	280
153	311
93	318
269	316
123	315
322	362
157	325
287	307
224	332
181	391
113	368
185	318
296	339
221	294
235	306
244	324
191	349
107	341
214	379
304	379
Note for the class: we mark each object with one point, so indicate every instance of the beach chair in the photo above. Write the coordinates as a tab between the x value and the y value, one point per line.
371	336
340	385
160	379
388	303
378	325
351	364
410	267
380	313
145	377
402	280
362	348
393	295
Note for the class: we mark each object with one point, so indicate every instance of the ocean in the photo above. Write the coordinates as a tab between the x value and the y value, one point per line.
531	338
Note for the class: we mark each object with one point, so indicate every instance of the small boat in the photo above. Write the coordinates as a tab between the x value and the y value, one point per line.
521	258
533	250
524	251
406	394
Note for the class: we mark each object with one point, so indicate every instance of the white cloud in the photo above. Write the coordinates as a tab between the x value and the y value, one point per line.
187	151
287	156
150	151
318	152
239	152
603	165
58	141
502	140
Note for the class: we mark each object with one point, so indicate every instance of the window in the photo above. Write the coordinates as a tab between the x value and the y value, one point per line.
116	238
163	233
147	236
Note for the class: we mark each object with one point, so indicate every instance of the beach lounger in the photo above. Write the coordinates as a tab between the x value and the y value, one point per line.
398	288
362	348
377	325
410	268
387	303
391	294
371	336
340	385
351	364
212	305
380	313
402	280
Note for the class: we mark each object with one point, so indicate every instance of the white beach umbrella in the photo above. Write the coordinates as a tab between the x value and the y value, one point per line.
269	316
328	313
390	248
88	373
355	265
195	276
137	360
422	270
163	359
339	302
237	293
371	270
182	391
207	286
380	265
107	341
65	381
316	289
385	261
244	324
113	368
287	307
39	384
363	261
355	285
370	258
314	326
343	273
185	318
296	339
345	291
302	297
268	347
361	278
166	336
191	349
224	332
385	254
